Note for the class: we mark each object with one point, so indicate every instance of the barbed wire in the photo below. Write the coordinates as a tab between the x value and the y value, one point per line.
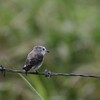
46	73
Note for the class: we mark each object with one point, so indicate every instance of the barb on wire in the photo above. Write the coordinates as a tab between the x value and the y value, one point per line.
46	73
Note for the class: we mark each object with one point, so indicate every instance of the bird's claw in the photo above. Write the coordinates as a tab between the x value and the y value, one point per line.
36	71
25	72
2	69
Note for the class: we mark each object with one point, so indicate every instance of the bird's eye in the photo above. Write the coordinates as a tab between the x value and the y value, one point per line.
43	49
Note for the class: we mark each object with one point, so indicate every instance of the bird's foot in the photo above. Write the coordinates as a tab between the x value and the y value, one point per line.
26	72
36	71
2	69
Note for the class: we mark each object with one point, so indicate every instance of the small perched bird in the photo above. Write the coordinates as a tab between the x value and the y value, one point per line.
35	58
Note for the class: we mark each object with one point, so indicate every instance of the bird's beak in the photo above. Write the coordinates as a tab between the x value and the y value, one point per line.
47	51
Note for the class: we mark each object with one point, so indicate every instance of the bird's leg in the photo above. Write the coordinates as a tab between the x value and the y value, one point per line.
26	72
36	71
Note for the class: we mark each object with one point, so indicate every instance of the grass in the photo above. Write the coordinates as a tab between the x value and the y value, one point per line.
30	85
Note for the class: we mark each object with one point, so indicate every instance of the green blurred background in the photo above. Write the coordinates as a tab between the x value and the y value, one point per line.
70	29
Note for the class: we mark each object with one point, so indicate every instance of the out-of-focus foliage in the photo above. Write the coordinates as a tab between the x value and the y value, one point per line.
70	29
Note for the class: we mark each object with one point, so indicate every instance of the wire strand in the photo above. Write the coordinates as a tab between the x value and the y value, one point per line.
46	73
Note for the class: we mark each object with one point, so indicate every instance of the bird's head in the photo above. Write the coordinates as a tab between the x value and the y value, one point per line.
40	49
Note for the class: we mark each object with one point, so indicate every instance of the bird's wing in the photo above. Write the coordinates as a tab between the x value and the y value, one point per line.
33	62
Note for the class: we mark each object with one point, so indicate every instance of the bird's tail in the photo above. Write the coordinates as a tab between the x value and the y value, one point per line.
27	68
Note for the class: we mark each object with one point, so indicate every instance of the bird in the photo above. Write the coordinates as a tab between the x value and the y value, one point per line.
35	58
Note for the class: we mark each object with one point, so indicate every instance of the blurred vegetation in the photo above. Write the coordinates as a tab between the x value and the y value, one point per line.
70	29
